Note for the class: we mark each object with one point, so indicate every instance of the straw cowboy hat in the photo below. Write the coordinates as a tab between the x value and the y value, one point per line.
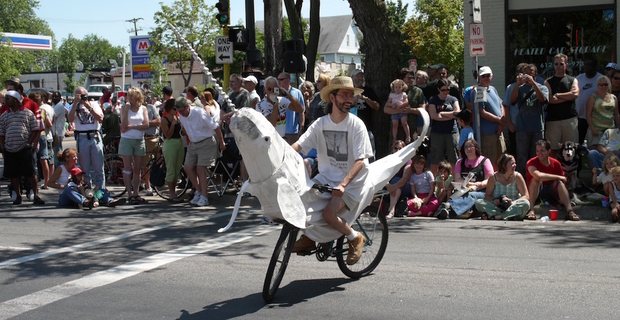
339	83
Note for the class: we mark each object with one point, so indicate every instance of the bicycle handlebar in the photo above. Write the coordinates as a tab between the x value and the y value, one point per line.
323	188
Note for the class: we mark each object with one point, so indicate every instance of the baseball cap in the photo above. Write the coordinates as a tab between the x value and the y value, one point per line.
251	79
485	70
14	94
356	72
612	65
76	171
181	102
464	115
167	90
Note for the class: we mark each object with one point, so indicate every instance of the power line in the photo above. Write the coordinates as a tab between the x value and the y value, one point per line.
135	25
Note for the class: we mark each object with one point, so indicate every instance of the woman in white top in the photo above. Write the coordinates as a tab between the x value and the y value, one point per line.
134	120
60	179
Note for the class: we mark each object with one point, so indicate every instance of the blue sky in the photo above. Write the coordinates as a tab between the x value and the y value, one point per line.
107	18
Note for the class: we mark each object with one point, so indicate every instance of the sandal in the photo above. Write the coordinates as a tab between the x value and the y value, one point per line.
531	215
614	216
140	200
176	200
572	216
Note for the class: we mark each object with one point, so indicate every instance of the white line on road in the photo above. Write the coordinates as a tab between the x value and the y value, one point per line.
82	246
17	306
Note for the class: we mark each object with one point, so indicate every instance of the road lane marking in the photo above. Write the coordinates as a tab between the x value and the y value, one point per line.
17	306
82	246
16	248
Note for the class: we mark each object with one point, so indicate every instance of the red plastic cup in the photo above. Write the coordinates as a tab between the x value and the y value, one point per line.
553	214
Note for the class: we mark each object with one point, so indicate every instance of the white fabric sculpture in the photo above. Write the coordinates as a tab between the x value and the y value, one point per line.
278	177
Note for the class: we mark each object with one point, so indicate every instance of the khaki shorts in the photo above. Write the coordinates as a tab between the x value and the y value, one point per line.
558	132
592	140
202	153
131	147
151	148
447	143
492	147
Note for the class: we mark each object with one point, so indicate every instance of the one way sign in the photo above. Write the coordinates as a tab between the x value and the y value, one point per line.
223	51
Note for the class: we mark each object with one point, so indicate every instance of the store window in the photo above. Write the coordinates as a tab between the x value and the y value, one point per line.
537	37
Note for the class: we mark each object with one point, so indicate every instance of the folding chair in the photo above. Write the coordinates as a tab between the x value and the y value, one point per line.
226	169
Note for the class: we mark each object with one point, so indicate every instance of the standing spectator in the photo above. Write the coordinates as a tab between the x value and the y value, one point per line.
444	132
208	102
316	106
199	124
45	153
294	119
250	84
275	107
132	149
441	73
545	179
512	110
239	96
562	123
192	95
530	99
610	68
19	129
87	117
111	125
151	141
173	147
506	194
601	110
415	97
421	79
463	118
491	118
587	86
167	93
365	104
396	99
60	118
533	72
307	90
615	84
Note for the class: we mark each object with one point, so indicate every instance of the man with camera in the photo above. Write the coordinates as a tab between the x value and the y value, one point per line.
295	119
277	98
87	116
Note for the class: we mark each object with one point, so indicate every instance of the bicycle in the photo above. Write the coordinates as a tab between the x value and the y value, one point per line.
371	223
113	170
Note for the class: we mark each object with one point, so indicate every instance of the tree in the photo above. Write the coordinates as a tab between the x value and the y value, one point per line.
435	34
9	60
298	27
160	75
94	52
382	60
68	58
273	37
196	22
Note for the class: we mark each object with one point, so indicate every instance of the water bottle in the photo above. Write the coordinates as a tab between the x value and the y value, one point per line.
98	194
605	202
544	219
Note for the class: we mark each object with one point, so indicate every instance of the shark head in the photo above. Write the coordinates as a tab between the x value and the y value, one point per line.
259	143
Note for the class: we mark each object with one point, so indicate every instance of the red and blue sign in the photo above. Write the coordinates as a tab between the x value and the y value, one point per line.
27	41
140	48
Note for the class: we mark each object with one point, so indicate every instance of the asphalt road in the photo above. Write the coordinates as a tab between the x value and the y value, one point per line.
164	261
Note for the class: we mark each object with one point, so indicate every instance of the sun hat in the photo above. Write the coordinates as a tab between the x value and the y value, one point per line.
336	83
14	80
14	94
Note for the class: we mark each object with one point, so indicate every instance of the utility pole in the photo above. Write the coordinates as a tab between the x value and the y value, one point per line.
135	25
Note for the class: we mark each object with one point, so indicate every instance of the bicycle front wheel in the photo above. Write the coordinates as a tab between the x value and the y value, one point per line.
113	170
279	261
373	226
181	187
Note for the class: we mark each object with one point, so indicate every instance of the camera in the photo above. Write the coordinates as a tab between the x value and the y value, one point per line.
504	202
276	90
84	97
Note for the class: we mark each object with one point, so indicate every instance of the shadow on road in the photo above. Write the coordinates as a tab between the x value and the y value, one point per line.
295	292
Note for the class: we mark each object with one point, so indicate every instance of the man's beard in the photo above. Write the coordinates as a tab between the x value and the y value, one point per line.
343	107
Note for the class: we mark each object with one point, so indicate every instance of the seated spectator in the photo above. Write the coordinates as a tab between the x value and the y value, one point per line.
506	193
610	161
471	161
609	143
545	179
601	110
443	182
614	194
423	201
395	188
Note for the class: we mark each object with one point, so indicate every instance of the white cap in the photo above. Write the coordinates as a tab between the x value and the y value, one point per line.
485	70
157	104
14	94
251	79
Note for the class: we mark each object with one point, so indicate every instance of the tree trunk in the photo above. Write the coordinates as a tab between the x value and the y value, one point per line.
313	38
293	11
273	37
381	60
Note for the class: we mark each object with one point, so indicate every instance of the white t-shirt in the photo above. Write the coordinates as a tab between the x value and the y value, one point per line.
134	119
198	124
587	86
84	119
266	108
338	145
60	117
49	114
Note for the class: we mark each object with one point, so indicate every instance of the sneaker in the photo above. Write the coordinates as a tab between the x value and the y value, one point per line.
38	201
401	208
356	247
149	192
13	196
30	195
116	202
443	214
203	201
197	196
18	200
303	245
390	215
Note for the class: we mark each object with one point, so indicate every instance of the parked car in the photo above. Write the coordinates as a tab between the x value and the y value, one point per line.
96	90
31	90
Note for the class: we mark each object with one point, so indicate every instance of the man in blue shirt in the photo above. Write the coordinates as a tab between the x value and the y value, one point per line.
294	120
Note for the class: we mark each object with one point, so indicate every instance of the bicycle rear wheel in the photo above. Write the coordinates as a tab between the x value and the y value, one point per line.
279	261
113	170
372	224
182	185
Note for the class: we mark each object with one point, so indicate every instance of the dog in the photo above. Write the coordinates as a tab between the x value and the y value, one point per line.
570	160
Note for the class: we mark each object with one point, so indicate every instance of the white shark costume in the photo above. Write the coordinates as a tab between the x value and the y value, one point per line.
278	177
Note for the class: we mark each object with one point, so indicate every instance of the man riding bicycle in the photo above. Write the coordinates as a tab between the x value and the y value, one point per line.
343	149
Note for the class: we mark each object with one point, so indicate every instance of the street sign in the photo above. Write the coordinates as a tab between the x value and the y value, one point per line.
477	48
140	48
477	11
239	38
223	50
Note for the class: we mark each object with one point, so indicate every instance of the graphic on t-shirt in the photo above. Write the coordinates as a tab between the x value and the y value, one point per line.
85	116
336	143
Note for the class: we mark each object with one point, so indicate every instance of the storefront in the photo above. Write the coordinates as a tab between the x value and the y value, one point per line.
534	31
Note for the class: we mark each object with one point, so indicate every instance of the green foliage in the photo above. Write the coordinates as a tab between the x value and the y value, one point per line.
67	59
94	51
9	60
160	75
435	34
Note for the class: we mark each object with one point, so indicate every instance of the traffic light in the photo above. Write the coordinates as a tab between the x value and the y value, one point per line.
569	34
223	17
